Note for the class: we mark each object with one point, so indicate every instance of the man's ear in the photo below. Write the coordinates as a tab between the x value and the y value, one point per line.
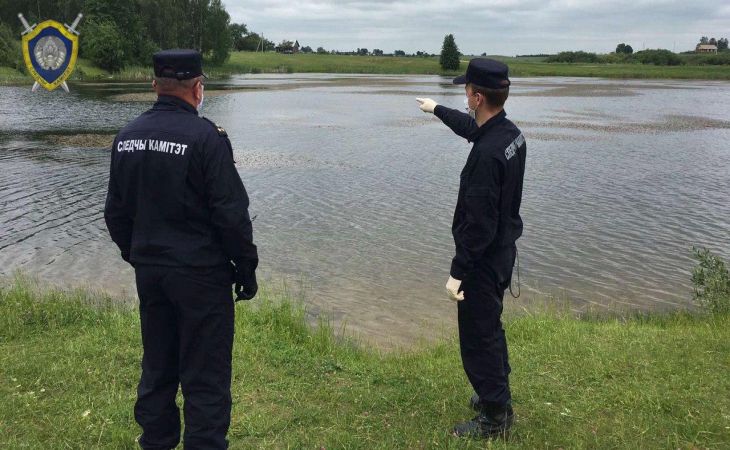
154	84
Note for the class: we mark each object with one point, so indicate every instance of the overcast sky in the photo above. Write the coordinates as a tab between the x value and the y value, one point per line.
504	27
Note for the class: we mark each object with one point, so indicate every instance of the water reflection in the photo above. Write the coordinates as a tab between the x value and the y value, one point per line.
354	188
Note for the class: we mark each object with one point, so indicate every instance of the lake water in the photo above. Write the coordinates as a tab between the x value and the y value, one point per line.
354	189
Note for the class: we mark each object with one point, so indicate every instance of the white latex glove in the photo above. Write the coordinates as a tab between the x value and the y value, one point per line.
426	104
452	287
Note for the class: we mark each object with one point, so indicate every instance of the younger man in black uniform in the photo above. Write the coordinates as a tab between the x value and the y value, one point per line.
178	211
486	225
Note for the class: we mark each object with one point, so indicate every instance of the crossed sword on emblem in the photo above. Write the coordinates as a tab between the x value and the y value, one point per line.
29	28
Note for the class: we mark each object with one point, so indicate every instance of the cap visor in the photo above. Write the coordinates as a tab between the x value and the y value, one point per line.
461	79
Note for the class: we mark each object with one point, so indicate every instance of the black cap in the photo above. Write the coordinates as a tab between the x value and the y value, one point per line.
182	64
486	73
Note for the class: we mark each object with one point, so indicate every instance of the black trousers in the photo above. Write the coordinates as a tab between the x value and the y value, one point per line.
481	336
187	335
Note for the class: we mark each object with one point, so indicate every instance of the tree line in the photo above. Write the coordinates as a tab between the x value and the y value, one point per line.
118	33
659	57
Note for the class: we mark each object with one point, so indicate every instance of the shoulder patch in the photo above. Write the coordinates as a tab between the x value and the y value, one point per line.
221	132
511	149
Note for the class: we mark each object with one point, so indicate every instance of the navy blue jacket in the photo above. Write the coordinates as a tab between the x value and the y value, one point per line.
487	212
175	197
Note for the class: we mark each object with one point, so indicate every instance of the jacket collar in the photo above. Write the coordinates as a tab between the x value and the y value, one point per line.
489	124
170	101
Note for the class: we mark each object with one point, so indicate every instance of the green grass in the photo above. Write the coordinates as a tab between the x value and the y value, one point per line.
248	62
70	362
243	62
315	63
623	71
8	75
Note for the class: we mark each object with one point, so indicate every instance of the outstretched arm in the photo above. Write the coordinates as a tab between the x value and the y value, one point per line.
460	123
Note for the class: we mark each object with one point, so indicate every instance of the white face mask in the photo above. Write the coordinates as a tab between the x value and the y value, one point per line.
202	97
472	113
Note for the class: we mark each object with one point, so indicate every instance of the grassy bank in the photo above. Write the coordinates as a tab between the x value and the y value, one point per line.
244	62
247	62
69	372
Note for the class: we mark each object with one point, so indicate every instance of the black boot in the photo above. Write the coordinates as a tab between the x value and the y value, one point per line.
487	424
475	402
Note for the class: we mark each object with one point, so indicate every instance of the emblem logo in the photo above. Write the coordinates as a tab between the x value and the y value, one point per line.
50	51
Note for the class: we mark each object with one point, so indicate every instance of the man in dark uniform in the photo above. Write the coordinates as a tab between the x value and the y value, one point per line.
486	225
178	211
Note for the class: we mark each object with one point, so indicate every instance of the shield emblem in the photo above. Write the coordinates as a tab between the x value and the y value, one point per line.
50	52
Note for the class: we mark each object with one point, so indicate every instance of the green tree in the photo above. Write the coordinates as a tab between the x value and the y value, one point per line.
217	38
126	16
449	59
10	54
321	50
196	15
238	35
722	44
103	44
624	49
36	11
137	27
166	24
253	42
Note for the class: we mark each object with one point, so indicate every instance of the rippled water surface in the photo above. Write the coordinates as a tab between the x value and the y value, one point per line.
354	188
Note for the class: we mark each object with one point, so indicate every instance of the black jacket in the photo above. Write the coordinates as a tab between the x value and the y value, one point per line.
487	212
175	197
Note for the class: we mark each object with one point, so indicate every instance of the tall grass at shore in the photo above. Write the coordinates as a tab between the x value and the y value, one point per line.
70	362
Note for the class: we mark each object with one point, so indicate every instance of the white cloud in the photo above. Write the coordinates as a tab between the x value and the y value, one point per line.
497	27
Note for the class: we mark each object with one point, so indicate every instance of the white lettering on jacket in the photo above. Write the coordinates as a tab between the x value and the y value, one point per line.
152	145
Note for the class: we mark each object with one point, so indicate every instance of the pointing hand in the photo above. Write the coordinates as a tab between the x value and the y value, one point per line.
426	104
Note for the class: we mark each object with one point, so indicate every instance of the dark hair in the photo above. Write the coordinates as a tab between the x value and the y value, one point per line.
165	84
494	97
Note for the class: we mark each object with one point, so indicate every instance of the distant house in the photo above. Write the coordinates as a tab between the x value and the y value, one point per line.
288	47
706	48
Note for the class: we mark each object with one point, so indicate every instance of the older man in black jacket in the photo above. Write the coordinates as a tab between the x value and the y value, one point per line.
178	211
486	225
